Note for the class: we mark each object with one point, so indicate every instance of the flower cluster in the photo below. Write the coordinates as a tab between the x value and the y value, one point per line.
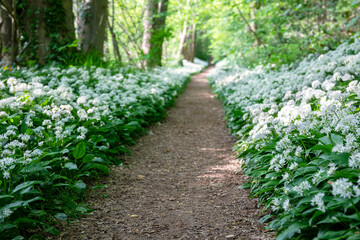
59	125
299	137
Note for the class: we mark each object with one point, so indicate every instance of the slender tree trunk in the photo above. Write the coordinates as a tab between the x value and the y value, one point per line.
189	46
9	31
114	43
183	34
92	25
154	31
258	39
69	31
113	36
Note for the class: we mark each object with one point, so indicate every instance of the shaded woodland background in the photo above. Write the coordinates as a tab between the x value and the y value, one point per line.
149	33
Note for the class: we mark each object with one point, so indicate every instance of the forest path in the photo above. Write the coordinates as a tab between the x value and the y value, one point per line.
180	181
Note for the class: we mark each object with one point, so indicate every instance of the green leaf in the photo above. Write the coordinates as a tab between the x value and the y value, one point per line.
331	235
25	220
61	216
337	139
53	231
71	166
32	168
291	231
341	159
81	209
6	196
24	126
99	186
325	140
80	185
100	167
265	218
18	238
79	150
25	185
6	226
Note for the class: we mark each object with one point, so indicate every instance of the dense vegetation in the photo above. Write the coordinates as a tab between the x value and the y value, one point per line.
81	79
299	141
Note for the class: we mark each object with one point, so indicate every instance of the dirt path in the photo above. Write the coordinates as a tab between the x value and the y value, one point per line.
180	182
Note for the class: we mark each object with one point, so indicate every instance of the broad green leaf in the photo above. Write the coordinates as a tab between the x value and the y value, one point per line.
80	185
100	167
71	166
291	231
79	150
6	196
61	216
25	185
331	235
337	139
341	159
53	230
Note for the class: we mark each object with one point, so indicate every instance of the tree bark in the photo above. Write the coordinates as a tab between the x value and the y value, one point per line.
154	31
9	38
46	25
189	45
92	26
69	31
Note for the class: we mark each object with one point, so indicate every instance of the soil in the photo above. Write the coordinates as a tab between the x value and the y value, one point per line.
181	182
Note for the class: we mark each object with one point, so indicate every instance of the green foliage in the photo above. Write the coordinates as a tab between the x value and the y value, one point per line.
303	167
287	30
43	180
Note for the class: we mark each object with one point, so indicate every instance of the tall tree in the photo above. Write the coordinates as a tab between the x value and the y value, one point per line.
187	47
154	31
9	29
92	26
45	26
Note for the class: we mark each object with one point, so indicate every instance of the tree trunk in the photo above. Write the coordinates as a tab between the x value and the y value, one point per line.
154	31
69	31
92	26
46	26
189	46
33	24
9	39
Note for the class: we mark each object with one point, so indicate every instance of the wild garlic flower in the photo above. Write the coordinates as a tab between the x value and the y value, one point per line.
286	205
342	187
332	169
302	187
276	204
317	201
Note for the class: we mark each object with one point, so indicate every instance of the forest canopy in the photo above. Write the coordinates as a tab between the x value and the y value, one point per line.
149	33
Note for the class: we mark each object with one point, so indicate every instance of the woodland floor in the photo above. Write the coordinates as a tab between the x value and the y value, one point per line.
179	183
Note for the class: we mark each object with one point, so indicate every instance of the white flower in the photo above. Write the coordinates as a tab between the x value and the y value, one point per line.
303	186
357	191
24	137
287	205
317	177
286	176
82	100
318	201
354	160
332	169
6	212
11	81
293	166
342	187
276	203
